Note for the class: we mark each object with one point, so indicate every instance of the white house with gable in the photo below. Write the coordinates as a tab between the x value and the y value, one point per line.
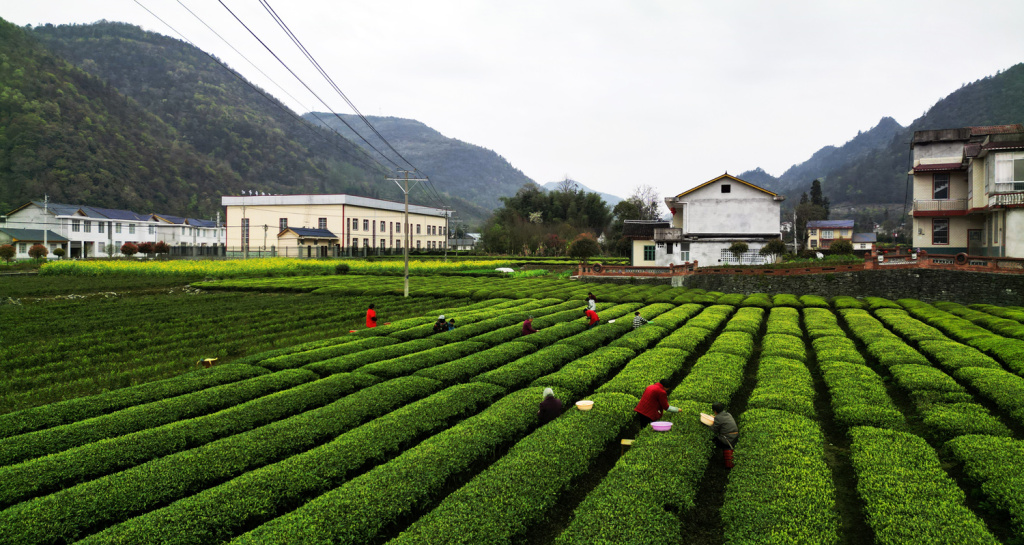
707	220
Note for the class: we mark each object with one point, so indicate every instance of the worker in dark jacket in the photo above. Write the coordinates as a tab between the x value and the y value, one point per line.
528	326
653	403
440	325
550	407
725	431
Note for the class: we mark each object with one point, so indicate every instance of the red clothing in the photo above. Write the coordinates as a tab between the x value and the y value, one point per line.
653	402
371	318
528	327
593	317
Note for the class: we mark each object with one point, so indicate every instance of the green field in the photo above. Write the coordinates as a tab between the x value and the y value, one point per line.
862	420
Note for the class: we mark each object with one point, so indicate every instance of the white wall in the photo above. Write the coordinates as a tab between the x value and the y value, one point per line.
744	210
1014	232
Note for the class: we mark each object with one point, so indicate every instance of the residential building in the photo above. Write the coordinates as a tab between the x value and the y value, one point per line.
329	225
464	244
23	239
821	233
864	242
706	221
968	186
91	231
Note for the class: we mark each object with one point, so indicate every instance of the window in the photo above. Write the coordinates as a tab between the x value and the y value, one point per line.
321	223
417	228
417	245
282	224
355	224
398	227
940	230
88	226
76	226
1009	171
940	186
828	234
100	225
131	228
726	188
398	244
668	247
814	243
649	253
152	229
812	232
382	244
366	243
117	228
382	226
366	225
22	247
245	232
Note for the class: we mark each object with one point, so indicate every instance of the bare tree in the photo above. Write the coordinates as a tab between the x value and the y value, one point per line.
568	185
647	201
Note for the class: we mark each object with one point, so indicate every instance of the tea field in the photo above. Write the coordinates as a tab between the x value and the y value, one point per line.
861	420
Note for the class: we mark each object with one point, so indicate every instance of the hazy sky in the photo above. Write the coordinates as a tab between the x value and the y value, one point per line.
613	94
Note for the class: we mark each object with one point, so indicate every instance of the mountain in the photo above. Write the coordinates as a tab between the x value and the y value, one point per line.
612	200
872	167
72	136
456	167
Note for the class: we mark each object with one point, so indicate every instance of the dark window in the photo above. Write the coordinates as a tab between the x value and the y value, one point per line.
940	231
283	224
940	186
668	247
321	223
726	188
355	224
648	253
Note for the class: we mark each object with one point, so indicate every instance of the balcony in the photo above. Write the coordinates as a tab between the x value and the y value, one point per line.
1006	199
940	207
669	234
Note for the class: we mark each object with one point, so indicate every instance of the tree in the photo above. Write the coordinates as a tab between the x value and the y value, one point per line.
38	251
647	201
146	247
129	249
584	247
737	249
7	252
841	247
773	249
60	252
161	248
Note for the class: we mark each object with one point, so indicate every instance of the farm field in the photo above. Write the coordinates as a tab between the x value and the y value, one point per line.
861	420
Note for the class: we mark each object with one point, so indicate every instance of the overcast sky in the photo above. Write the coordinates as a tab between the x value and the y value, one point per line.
613	94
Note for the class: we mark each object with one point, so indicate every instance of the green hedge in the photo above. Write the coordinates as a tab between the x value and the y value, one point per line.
646	369
74	512
221	512
814	301
859	396
733	342
639	500
786	300
875	303
361	508
73	410
760	300
907	496
997	464
299	359
527	368
712	317
641	338
746	320
781	490
350	362
1001	387
496	506
821	322
909	328
944	421
845	301
581	375
463	369
783	346
677	316
39	443
784	321
835	349
784	385
952	355
715	377
409	364
47	474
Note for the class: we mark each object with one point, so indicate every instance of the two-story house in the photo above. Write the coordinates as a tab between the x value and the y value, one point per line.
821	233
706	221
968	188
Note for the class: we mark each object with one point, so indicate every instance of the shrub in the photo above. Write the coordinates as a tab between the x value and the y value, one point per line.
646	369
38	251
885	483
7	253
786	300
944	421
642	338
161	247
996	463
783	320
146	247
841	247
581	375
715	377
845	301
129	249
785	346
60	252
526	369
773	249
815	301
738	248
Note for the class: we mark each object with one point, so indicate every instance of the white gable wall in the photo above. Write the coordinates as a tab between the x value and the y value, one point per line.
743	210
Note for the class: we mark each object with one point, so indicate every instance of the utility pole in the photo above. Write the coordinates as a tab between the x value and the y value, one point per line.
46	202
403	184
446	235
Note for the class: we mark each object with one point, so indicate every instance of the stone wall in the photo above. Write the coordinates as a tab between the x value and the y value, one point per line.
924	284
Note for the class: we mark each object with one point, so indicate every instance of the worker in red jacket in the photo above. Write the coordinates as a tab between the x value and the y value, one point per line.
652	404
371	317
592	316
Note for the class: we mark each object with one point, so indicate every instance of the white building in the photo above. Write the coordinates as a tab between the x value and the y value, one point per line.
100	232
343	224
706	221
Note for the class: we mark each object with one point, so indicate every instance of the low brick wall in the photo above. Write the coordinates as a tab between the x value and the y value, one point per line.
924	284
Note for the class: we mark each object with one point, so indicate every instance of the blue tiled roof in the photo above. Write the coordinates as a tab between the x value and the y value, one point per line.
201	223
830	224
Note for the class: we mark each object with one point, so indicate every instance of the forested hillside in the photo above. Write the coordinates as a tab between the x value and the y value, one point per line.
458	168
872	167
72	136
